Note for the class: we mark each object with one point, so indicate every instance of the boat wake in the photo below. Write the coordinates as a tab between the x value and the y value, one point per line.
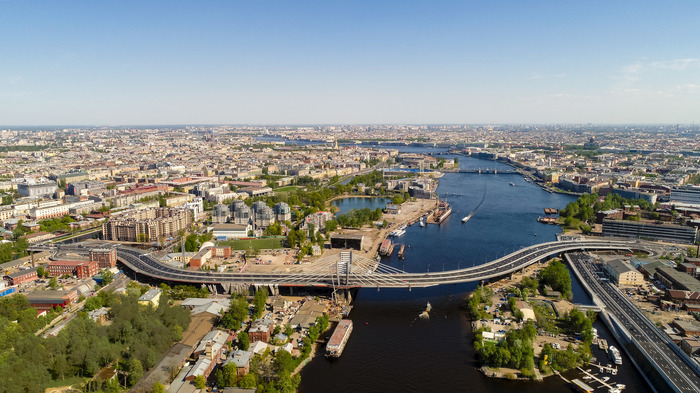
465	219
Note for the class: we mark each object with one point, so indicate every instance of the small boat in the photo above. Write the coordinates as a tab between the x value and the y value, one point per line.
511	183
425	314
586	377
421	223
605	379
466	218
620	386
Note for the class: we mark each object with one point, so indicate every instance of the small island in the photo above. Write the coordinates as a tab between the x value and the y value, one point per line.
525	327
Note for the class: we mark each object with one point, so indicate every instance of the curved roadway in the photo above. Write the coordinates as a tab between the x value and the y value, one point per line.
144	264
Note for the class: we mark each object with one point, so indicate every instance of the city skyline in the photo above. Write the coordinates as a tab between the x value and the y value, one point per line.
388	63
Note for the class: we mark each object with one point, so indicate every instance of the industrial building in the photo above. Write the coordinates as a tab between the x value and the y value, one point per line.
21	276
355	242
686	194
48	300
231	231
80	269
622	273
648	230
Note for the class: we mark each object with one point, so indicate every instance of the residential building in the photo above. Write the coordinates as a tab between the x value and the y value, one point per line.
261	330
148	225
105	257
32	188
282	212
151	298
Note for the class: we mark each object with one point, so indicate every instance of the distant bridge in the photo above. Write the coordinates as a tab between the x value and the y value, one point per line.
492	171
346	273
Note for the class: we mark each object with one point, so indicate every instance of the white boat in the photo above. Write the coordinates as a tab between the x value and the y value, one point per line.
421	222
613	390
426	314
605	379
620	386
466	218
615	355
511	183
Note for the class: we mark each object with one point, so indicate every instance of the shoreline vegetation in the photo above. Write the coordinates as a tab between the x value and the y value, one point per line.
526	328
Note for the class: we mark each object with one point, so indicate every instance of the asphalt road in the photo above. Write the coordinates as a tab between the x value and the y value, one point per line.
658	346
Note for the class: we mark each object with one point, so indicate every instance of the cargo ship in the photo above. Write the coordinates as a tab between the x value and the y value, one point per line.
443	211
339	338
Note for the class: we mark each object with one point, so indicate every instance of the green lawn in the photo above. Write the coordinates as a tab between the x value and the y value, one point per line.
257	244
286	189
67	382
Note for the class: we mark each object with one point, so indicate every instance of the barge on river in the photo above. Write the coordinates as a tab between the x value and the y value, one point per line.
339	338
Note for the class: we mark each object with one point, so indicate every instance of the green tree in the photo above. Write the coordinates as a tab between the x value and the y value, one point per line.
158	388
107	276
247	381
259	301
53	283
556	275
243	341
331	225
135	371
40	271
200	382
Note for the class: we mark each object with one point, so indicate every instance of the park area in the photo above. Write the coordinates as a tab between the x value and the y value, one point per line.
255	244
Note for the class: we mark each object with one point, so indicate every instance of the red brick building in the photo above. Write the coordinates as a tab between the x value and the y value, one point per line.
80	269
21	276
106	258
48	300
261	330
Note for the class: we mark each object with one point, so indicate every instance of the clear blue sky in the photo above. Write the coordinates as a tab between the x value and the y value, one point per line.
175	62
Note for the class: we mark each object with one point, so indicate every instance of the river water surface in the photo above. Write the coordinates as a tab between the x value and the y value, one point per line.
391	350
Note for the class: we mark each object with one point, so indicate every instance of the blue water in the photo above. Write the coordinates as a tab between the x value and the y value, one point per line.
390	349
347	204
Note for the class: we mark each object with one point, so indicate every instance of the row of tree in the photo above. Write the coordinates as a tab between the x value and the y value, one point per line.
133	342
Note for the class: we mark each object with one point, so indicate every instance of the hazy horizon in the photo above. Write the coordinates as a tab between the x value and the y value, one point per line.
391	62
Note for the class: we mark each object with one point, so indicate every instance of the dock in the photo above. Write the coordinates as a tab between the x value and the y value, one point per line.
403	247
603	345
594	378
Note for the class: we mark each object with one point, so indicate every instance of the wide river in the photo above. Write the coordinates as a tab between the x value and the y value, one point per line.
391	350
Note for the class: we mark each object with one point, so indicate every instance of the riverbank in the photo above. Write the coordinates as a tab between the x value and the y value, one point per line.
513	309
374	236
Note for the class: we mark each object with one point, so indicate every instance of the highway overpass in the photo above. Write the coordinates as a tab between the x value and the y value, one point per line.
348	274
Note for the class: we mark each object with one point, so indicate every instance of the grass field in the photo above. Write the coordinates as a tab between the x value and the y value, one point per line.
286	189
256	244
67	382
